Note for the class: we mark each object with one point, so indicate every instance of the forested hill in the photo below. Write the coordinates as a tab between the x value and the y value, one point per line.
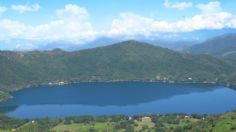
223	46
126	61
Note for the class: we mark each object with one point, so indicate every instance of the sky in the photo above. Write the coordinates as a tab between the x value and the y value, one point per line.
27	24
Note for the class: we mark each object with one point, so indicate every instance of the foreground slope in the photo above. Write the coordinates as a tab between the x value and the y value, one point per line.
126	61
120	123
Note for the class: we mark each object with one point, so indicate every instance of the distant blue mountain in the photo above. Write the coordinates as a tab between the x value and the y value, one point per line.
203	35
178	41
220	46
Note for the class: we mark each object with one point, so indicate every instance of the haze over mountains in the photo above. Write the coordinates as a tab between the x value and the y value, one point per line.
218	43
178	41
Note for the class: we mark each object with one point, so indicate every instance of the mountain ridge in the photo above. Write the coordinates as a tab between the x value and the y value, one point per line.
125	61
223	46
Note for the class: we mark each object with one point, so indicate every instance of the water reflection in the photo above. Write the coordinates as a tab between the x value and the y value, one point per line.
104	94
124	97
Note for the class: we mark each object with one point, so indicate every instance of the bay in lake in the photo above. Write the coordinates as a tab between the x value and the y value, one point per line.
128	98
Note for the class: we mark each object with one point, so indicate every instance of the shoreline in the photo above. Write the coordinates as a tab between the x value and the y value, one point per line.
154	122
139	114
61	83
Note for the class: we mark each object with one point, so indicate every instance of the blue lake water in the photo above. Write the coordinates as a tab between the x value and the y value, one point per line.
119	98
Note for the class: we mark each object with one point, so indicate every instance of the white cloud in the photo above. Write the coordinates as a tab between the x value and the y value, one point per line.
71	26
27	46
210	7
72	11
130	23
2	9
24	8
177	5
133	24
204	21
211	17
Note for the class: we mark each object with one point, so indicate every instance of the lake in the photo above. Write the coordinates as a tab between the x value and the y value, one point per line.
128	98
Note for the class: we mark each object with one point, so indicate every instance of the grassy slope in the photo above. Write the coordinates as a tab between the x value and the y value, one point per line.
149	123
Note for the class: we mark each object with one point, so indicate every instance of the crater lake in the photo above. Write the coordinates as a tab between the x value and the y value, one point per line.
128	98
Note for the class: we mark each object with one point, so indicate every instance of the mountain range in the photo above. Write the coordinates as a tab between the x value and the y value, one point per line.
125	61
174	41
223	46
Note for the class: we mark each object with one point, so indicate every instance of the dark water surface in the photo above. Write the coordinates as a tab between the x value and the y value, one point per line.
119	98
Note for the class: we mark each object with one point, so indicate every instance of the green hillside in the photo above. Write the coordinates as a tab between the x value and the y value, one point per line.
221	46
126	61
121	123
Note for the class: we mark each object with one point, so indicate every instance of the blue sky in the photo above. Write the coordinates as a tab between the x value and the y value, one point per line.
30	23
106	10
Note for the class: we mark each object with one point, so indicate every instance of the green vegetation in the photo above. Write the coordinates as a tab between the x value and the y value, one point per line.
121	123
4	96
221	46
126	61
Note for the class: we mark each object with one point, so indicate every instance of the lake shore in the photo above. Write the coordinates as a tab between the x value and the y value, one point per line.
4	96
147	122
98	98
